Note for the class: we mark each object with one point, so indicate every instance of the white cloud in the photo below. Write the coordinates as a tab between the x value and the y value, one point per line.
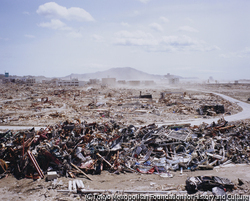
53	10
59	25
164	19
162	44
181	43
224	55
241	54
178	41
29	36
55	24
156	27
125	24
74	34
97	38
244	53
137	38
185	43
187	28
144	1
26	13
135	13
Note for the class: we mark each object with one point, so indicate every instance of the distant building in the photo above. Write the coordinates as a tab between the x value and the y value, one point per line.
72	82
121	81
171	79
30	81
94	81
109	81
174	80
245	81
46	82
149	82
6	80
25	80
134	83
210	79
52	82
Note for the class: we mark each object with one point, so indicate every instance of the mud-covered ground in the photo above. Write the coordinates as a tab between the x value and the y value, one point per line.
30	190
42	106
237	91
24	106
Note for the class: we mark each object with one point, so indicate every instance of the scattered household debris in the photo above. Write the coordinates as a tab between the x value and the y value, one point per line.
74	186
217	185
51	175
149	96
211	110
41	105
79	148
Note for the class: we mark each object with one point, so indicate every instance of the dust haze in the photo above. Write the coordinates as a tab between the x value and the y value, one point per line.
124	129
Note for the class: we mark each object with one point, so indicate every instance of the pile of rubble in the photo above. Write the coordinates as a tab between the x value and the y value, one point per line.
40	105
73	148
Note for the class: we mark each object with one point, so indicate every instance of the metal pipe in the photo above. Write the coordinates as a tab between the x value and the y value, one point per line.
38	169
131	191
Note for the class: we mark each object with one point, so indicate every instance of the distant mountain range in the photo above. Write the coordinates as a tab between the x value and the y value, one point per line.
125	73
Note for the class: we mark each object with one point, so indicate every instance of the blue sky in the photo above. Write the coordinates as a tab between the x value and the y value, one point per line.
181	37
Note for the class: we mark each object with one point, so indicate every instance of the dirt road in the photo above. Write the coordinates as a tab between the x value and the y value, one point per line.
244	114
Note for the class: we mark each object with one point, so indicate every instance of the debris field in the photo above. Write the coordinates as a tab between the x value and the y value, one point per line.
78	148
42	106
120	131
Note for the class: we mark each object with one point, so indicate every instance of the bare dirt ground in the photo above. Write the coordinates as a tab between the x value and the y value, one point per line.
25	106
27	189
237	91
42	106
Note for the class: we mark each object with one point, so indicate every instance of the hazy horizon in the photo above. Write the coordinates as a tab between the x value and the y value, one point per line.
125	72
184	38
